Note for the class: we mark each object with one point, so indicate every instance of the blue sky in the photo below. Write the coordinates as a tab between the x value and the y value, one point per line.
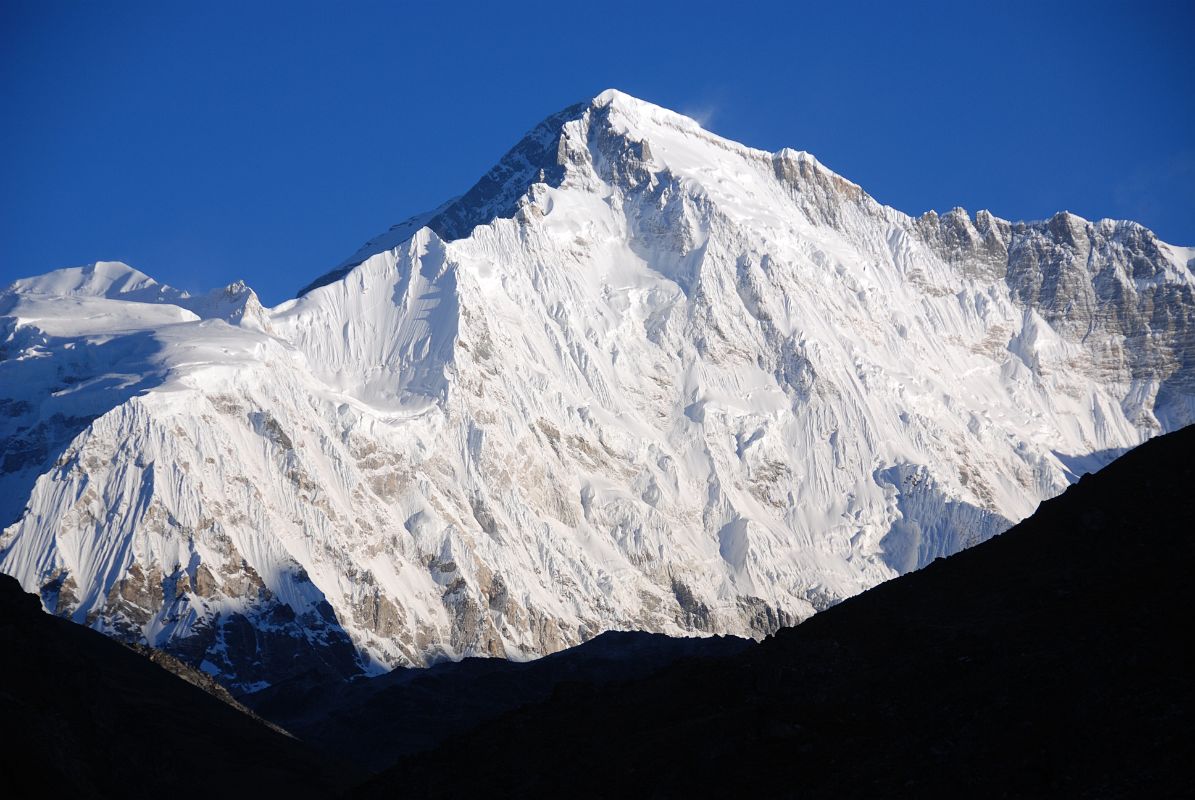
213	141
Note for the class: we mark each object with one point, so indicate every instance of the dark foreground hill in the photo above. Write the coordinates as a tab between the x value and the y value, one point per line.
375	721
1051	661
84	716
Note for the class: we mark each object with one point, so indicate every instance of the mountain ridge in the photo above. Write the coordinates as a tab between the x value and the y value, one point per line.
685	387
503	174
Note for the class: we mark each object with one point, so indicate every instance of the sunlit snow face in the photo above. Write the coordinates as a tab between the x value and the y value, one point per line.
640	378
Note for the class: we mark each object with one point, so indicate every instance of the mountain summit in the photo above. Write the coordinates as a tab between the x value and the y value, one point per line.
638	377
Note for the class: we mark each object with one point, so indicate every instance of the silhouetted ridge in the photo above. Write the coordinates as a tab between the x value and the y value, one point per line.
375	721
84	716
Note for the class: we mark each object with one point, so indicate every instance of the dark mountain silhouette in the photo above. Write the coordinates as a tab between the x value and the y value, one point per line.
1050	661
375	721
84	716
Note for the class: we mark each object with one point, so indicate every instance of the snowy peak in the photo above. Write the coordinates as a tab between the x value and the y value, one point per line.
626	139
630	144
95	290
236	304
642	119
543	156
107	279
637	377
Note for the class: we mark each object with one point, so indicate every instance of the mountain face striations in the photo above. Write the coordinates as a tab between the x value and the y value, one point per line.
1045	662
638	377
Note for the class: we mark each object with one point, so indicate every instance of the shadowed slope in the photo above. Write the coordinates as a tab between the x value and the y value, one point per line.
84	716
375	721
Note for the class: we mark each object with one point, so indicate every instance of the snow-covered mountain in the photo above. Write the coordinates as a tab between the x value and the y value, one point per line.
638	377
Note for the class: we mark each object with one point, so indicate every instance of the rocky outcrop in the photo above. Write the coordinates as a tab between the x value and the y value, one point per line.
1110	289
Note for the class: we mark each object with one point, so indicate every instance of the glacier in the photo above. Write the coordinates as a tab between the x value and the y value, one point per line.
638	377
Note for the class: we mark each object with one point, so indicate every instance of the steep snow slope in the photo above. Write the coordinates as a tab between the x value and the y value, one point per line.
638	377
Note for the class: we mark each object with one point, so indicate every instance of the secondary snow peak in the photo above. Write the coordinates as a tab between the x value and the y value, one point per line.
110	279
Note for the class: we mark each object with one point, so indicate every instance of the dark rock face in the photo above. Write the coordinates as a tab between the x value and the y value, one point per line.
246	650
274	644
496	195
1099	286
88	717
821	194
1041	663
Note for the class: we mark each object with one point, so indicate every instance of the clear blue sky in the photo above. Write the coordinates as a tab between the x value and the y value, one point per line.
205	142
